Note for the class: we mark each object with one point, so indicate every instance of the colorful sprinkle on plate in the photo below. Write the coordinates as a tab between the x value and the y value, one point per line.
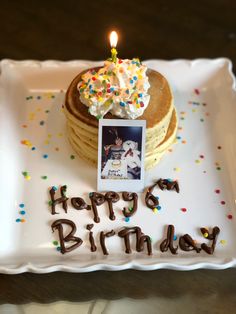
177	169
26	142
26	175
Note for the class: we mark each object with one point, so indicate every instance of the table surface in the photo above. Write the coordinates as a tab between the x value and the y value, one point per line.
66	30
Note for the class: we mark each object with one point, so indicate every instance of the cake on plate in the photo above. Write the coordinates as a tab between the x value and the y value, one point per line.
125	89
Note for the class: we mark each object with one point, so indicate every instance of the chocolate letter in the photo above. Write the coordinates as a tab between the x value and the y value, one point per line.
140	239
91	238
210	236
168	184
130	211
125	233
79	203
111	197
168	242
151	200
63	199
186	243
102	240
96	200
69	237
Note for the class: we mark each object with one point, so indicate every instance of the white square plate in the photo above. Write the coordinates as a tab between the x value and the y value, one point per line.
33	140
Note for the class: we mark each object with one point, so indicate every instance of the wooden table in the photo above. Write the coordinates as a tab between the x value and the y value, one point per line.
66	30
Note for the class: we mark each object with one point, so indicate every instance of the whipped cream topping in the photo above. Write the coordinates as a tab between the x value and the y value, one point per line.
121	88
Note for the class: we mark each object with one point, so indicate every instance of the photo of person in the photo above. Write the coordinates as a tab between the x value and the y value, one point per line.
121	152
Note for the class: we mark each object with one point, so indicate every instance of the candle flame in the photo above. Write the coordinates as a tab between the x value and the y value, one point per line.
113	39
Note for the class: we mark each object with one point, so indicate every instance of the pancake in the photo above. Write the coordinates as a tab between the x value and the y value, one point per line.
83	127
153	158
87	152
160	104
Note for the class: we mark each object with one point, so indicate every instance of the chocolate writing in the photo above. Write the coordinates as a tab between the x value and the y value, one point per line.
168	184
140	239
111	197
168	242
151	200
93	247
210	236
61	200
58	224
97	199
104	235
186	243
130	211
79	203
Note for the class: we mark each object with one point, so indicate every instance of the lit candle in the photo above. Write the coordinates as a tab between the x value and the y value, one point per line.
113	43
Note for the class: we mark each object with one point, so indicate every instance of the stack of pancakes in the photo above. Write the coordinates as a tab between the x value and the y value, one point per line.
160	116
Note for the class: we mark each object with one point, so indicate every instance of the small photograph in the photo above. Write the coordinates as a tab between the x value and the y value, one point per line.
121	150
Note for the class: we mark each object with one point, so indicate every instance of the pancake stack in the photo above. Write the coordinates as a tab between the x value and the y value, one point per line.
160	116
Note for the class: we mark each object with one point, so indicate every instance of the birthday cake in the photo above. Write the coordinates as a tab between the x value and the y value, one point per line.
125	89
